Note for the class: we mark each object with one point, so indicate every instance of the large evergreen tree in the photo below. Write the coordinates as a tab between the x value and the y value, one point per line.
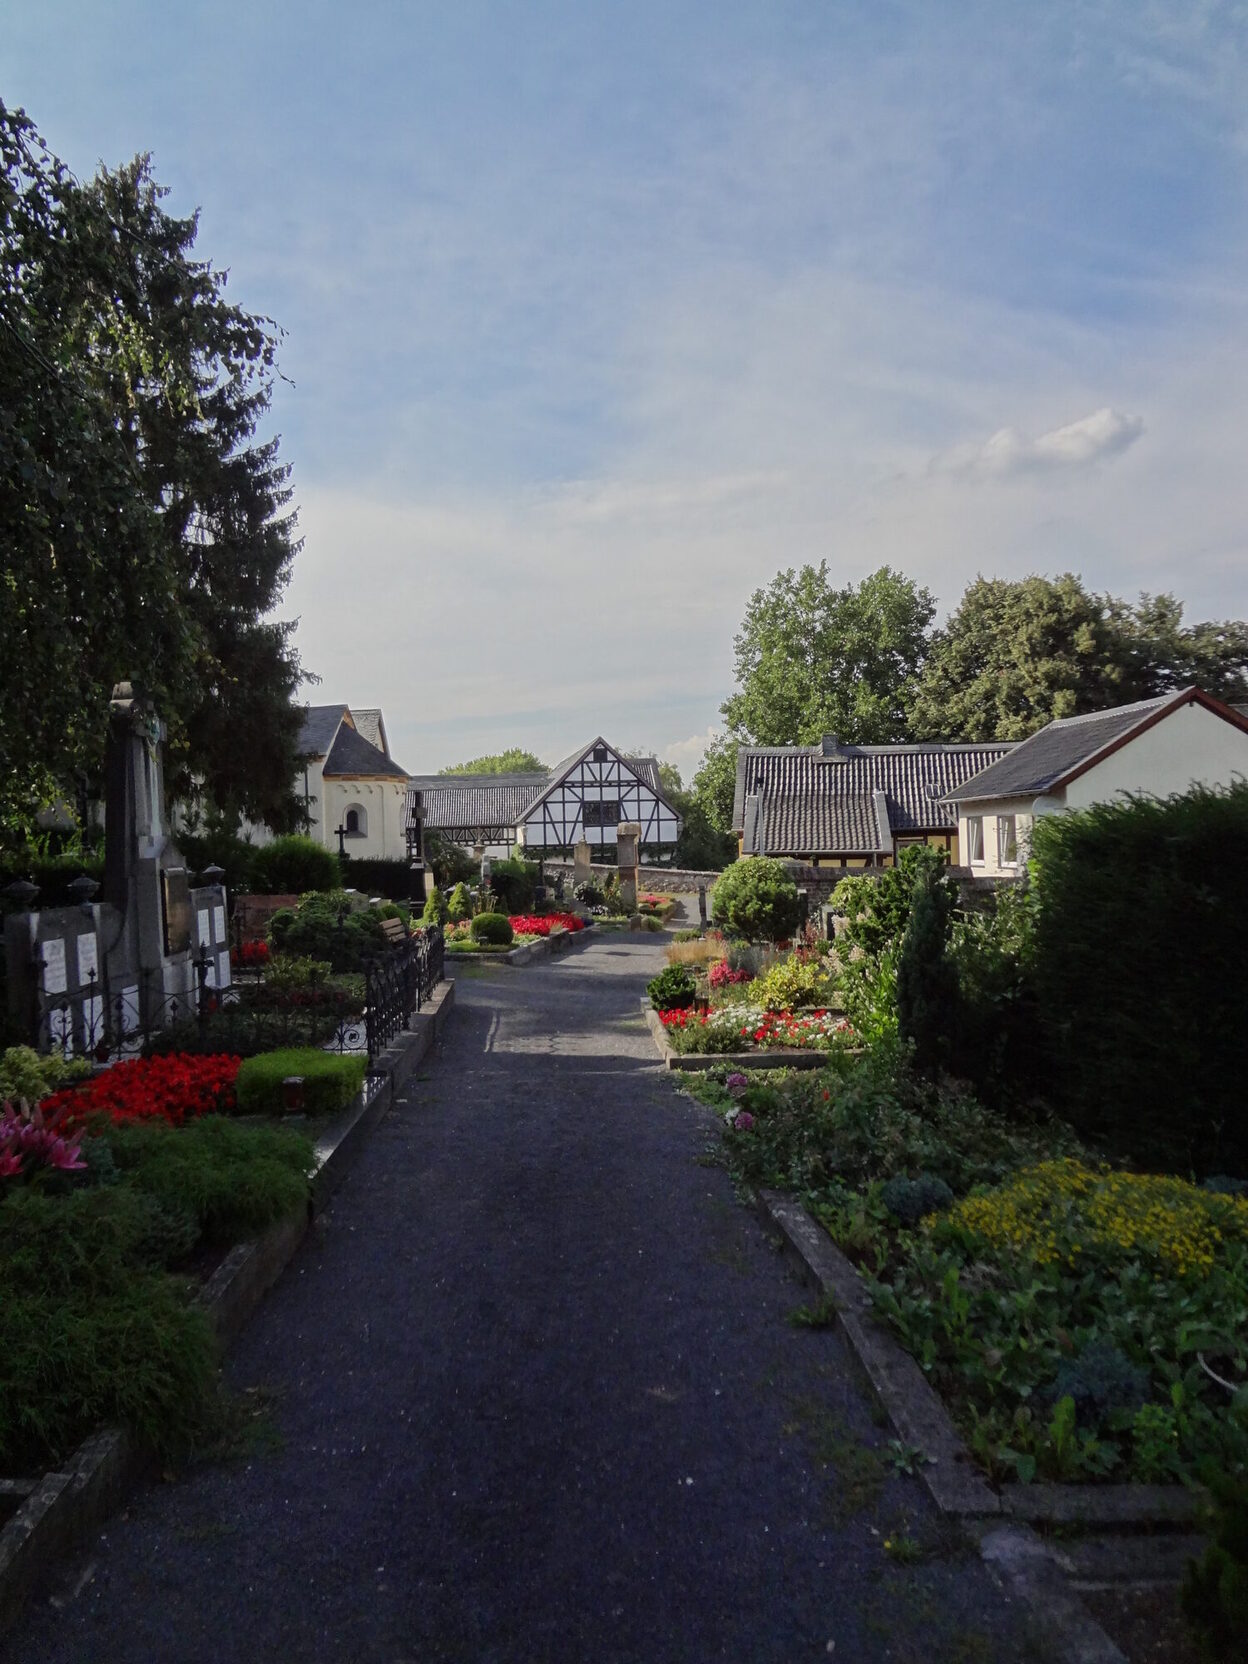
147	530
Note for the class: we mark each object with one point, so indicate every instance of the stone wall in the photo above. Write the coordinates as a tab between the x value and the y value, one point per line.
667	880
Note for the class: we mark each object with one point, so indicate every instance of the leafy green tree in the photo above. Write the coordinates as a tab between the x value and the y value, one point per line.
812	659
148	533
1018	654
715	782
514	761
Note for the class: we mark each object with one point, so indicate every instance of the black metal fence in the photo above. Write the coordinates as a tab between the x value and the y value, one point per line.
397	984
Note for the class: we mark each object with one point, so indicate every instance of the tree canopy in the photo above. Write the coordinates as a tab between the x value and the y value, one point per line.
812	659
1017	654
147	531
515	761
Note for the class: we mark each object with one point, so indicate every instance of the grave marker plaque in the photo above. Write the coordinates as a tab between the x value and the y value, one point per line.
54	969
176	901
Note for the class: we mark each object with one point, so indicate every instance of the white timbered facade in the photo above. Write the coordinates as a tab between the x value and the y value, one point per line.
587	796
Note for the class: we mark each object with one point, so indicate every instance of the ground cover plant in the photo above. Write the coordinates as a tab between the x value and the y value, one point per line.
174	1088
1081	1322
96	1325
741	1028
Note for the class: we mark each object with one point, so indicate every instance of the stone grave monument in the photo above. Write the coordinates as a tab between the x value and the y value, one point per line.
94	978
627	849
580	863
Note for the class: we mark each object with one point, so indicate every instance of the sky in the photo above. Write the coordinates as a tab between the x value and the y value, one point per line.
599	315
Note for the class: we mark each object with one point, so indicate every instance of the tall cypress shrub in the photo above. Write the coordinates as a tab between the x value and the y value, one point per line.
927	982
1140	967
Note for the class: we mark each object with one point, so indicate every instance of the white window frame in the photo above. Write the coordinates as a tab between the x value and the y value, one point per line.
974	836
360	829
1003	841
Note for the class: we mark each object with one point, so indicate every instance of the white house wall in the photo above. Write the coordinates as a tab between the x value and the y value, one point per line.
1189	747
558	822
992	865
382	803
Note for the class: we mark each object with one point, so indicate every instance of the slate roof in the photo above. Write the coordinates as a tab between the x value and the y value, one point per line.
474	802
351	754
821	800
1057	752
320	724
369	723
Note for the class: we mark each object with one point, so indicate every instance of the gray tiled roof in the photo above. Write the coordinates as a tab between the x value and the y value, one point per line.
320	724
474	802
785	824
826	792
1039	763
351	754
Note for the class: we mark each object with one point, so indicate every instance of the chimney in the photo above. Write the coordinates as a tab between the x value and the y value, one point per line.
831	747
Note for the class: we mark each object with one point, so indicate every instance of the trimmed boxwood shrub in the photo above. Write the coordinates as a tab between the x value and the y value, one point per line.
330	1081
672	990
757	899
494	928
294	865
1137	962
313	931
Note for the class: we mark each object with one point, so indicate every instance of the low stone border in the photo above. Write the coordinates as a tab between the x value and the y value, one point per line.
544	948
697	1061
62	1508
1039	1574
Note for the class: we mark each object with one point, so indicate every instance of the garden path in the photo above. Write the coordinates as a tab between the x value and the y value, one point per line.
534	1398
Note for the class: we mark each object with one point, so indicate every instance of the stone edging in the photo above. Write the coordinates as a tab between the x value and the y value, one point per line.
62	1508
1032	1571
697	1061
544	948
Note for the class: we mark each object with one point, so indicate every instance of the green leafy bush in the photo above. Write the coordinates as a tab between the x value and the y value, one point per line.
1100	1381
645	922
293	865
589	894
672	990
324	926
757	899
1215	1590
1140	976
793	983
330	1080
512	882
25	1074
374	876
492	928
927	980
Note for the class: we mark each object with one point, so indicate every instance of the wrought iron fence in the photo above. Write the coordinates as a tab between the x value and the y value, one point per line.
398	983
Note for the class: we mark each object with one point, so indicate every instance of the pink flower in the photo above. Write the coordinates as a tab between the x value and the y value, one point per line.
743	1120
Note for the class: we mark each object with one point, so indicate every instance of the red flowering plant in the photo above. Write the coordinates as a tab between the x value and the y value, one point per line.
542	924
250	956
175	1088
722	975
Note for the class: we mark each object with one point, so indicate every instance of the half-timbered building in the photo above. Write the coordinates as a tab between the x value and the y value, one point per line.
588	795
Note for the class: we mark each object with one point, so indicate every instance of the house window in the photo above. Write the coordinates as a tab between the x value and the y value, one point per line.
1007	840
600	753
602	814
975	840
355	822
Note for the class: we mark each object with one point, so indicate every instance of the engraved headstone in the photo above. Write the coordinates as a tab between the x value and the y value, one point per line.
580	863
627	846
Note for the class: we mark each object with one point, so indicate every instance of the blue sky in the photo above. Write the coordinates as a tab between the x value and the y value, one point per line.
599	315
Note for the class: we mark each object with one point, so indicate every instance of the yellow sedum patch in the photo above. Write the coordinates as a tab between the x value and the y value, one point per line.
1059	1210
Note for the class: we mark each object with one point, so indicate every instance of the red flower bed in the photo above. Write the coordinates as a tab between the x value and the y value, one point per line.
541	924
250	955
176	1088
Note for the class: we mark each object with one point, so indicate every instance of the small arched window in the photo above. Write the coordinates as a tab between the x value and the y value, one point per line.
355	822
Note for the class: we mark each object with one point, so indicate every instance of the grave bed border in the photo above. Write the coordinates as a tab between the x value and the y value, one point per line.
546	947
1000	1524
62	1507
697	1062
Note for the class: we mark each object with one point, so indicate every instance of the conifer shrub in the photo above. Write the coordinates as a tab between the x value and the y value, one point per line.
757	900
459	904
1140	977
435	912
927	982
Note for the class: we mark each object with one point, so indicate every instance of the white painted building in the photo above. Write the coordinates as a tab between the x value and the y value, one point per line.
1155	748
346	780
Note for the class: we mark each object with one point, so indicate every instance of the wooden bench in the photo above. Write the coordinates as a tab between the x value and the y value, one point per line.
395	932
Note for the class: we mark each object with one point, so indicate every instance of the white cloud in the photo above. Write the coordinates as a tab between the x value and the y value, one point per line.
687	754
1105	433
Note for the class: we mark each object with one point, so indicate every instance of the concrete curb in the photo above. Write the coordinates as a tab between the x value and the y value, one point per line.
62	1508
699	1062
1061	1628
546	947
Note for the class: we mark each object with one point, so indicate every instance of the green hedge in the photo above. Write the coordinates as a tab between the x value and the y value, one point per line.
1138	965
293	865
330	1081
375	877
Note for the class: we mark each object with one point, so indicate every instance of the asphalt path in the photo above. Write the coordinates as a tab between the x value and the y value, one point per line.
531	1393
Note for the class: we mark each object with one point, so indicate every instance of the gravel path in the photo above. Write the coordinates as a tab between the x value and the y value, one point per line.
535	1398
